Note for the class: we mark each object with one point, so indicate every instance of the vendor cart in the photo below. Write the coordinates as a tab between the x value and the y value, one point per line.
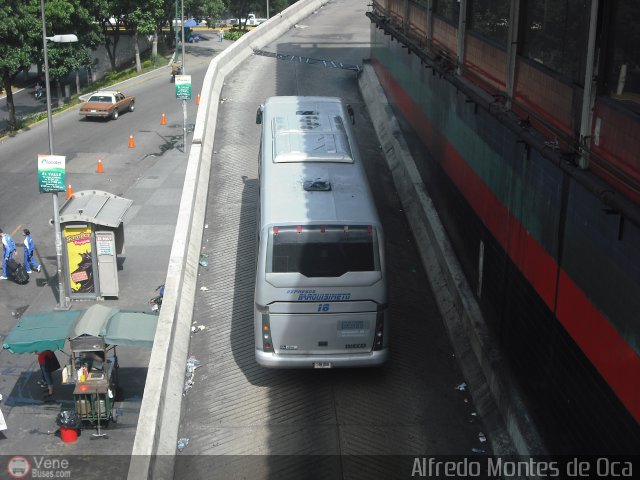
92	335
94	371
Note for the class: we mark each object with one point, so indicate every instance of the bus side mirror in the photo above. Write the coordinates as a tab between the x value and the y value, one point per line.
259	114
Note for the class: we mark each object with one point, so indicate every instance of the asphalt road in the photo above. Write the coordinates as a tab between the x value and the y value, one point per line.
24	102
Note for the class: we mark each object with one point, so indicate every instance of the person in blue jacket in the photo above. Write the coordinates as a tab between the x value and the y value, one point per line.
30	263
8	249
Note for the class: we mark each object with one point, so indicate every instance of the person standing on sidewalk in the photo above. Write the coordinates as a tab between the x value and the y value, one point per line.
8	249
30	263
48	364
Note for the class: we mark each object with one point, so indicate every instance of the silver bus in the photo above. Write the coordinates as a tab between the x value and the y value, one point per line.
320	294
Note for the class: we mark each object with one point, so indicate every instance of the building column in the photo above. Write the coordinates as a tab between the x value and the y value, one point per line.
512	51
462	24
588	96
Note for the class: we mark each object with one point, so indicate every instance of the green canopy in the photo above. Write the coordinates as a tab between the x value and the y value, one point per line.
94	322
135	329
36	333
48	331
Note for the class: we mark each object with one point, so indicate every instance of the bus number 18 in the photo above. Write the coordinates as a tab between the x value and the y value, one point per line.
323	307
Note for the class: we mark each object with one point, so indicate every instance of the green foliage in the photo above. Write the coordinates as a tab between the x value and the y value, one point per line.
69	16
19	35
234	34
276	6
146	15
241	8
204	9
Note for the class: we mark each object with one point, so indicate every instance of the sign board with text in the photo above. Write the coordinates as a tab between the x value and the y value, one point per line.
51	173
183	87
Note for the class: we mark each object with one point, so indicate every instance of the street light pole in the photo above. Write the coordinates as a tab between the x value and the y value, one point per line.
184	72
175	55
62	292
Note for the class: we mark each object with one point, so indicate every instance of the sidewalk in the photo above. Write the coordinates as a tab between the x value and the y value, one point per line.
149	229
31	422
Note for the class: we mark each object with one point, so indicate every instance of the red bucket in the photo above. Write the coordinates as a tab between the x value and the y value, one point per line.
68	435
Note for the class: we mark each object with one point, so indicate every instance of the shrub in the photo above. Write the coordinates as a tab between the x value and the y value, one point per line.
234	34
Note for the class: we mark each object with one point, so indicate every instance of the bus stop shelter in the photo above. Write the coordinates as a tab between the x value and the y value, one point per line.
92	228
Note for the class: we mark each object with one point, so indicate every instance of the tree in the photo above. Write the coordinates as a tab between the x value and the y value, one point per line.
63	17
276	6
241	8
19	33
111	16
204	8
144	20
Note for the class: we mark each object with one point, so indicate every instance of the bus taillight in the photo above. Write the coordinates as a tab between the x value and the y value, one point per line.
267	346
378	339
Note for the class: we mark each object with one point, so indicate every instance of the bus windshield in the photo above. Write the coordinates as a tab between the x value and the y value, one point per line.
315	251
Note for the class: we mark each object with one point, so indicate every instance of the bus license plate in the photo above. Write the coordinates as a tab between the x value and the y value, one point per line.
321	364
352	325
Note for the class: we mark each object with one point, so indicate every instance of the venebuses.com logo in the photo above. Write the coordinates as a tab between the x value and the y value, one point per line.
38	467
18	467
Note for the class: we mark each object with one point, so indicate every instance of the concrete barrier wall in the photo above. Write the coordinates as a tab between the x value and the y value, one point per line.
156	436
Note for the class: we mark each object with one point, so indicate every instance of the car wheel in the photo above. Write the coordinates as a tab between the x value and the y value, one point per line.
132	106
114	115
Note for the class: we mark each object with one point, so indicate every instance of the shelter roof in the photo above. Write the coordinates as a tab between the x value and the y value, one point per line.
95	206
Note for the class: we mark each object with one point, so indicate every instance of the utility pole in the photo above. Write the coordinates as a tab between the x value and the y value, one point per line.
175	56
184	72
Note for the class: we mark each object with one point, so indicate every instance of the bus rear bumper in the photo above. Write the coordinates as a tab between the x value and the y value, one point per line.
352	360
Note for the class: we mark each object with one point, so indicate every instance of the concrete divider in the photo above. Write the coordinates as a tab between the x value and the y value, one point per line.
156	436
497	399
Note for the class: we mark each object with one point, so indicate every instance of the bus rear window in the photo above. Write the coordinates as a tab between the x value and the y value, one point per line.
313	252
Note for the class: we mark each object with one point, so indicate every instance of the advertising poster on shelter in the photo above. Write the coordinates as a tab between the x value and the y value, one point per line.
80	260
51	173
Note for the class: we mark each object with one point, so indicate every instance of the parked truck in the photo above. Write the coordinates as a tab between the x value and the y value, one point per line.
250	21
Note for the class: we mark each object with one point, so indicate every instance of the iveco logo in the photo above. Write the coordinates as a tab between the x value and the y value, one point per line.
355	345
288	347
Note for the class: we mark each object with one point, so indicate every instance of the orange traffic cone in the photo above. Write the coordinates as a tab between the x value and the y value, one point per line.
69	192
198	100
99	169
163	120
132	144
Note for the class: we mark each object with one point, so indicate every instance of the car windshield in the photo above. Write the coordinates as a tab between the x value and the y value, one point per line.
101	98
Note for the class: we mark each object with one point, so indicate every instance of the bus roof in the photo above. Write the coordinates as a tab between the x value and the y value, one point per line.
309	139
